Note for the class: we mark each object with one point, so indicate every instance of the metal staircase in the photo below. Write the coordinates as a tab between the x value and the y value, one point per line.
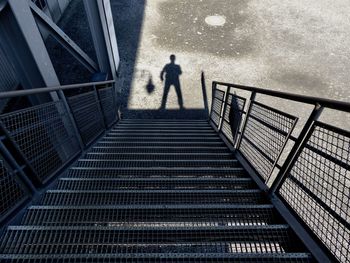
79	184
154	191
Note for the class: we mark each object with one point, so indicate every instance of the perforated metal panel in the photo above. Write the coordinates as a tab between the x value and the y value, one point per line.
12	194
86	112
216	107
318	187
232	119
44	136
108	105
265	135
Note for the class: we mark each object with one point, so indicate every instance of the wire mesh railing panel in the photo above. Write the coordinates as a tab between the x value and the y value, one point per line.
317	187
232	116
265	135
44	135
216	107
86	112
108	105
12	193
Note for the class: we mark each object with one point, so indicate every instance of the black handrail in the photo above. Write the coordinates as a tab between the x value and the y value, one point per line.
327	103
19	93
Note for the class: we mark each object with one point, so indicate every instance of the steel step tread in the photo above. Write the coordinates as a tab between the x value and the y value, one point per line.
155	180
250	191
164	130
147	197
156	215
170	144
159	156
162	135
160	149
156	163
161	139
107	239
153	184
197	172
163	257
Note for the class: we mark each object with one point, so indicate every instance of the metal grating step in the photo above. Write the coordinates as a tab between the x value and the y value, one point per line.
161	135
81	172
160	139
194	121
161	258
153	216
139	240
155	184
154	197
173	124
158	156
100	163
141	144
160	149
174	128
164	131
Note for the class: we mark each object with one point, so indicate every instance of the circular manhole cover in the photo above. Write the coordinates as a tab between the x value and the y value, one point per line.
215	20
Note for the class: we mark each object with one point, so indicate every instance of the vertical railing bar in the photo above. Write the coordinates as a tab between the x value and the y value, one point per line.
71	118
117	117
222	115
251	100
99	105
297	148
281	151
239	132
213	88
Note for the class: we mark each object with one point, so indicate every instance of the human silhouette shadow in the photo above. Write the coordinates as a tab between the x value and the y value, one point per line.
172	73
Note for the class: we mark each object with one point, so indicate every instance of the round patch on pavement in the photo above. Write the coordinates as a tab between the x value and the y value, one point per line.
215	20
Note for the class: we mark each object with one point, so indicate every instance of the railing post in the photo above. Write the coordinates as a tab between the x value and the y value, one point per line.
296	150
71	118
222	115
252	98
99	105
213	88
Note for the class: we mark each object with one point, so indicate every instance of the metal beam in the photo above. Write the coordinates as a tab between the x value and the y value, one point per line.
98	36
63	39
106	15
22	41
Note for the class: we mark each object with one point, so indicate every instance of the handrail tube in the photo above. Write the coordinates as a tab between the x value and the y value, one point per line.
19	93
327	103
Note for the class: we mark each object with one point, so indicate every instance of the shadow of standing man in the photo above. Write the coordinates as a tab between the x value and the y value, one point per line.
172	77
